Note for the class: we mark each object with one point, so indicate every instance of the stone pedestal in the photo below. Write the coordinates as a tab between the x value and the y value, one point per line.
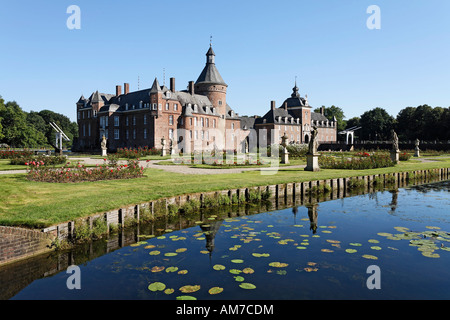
417	152
284	156
394	155
163	152
312	162
104	154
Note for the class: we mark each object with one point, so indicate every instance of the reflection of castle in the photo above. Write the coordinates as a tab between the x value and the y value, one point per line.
210	231
312	214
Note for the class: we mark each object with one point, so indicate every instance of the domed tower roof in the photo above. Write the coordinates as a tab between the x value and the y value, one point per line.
210	74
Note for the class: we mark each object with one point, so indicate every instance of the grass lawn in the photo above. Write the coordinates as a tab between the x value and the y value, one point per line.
38	204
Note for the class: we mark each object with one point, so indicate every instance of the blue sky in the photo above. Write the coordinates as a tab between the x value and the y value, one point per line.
260	46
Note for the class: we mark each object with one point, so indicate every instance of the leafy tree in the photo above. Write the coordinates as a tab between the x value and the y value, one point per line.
376	124
333	111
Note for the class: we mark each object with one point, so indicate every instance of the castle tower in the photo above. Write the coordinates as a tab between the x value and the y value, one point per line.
211	84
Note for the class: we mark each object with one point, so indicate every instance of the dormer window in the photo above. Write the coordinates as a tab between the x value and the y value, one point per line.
126	106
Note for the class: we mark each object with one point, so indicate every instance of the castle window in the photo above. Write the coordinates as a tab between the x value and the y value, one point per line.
214	123
145	133
145	119
202	122
79	116
126	121
134	133
116	134
127	135
134	120
116	121
140	104
167	106
171	120
154	106
89	129
175	107
220	102
207	122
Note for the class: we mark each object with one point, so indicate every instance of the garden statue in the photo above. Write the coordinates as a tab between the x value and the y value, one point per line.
103	146
284	151
163	147
417	150
312	157
395	149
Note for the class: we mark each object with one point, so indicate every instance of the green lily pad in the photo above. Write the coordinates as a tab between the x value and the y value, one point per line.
375	248
247	286
169	291
218	267
237	261
248	271
235	271
371	257
182	272
186	298
384	234
189	288
355	244
171	269
278	264
239	278
156	286
154	252
259	255
215	290
350	250
373	241
301	247
430	254
181	250
170	254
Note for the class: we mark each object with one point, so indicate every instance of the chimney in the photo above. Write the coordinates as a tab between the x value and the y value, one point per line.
172	84
322	110
285	105
272	105
191	87
126	88
118	90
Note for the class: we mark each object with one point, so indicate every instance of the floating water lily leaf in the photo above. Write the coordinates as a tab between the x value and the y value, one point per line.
259	255
333	241
161	237
171	269
182	272
237	261
430	254
350	250
186	298
298	225
326	231
215	290
239	278
169	291
248	286
278	264
218	267
235	271
157	269
326	250
150	246
170	254
373	241
181	250
309	269
433	228
156	286
445	248
375	248
401	229
368	256
355	244
189	288
384	234
248	271
154	252
301	248
311	264
204	251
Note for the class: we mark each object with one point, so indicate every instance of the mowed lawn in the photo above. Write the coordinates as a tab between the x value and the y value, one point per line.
37	204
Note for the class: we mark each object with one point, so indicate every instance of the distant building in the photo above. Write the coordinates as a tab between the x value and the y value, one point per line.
196	117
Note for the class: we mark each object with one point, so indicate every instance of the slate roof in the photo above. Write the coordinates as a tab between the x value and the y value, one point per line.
210	74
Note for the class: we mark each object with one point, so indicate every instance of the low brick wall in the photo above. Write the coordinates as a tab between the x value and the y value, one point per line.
17	243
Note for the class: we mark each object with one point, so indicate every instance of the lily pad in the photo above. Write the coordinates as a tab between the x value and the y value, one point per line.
215	290
239	278
248	271
157	269
247	286
182	272
375	248
350	250
181	250
235	271
171	269
259	255
278	264
301	247
189	288
326	250
373	241
186	298
237	261
170	254
154	252
169	291
355	244
156	286
368	256
218	267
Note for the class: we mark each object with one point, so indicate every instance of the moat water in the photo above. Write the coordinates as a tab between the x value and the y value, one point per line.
315	251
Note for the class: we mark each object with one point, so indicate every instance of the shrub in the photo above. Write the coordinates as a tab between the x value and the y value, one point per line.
11	154
356	162
47	160
38	171
131	153
404	156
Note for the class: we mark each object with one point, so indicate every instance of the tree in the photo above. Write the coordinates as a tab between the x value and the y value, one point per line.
376	124
333	111
69	128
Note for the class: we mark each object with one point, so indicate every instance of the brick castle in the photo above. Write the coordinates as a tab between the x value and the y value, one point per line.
197	117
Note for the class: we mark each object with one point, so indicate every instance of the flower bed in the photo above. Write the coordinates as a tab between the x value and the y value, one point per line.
357	162
48	160
131	153
38	171
11	154
404	156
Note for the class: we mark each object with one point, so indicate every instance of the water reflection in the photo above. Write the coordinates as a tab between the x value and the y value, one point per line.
15	277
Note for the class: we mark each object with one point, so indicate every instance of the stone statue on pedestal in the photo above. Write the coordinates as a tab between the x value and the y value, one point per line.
103	146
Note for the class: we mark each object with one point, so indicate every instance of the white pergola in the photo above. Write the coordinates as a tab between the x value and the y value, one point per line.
349	133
